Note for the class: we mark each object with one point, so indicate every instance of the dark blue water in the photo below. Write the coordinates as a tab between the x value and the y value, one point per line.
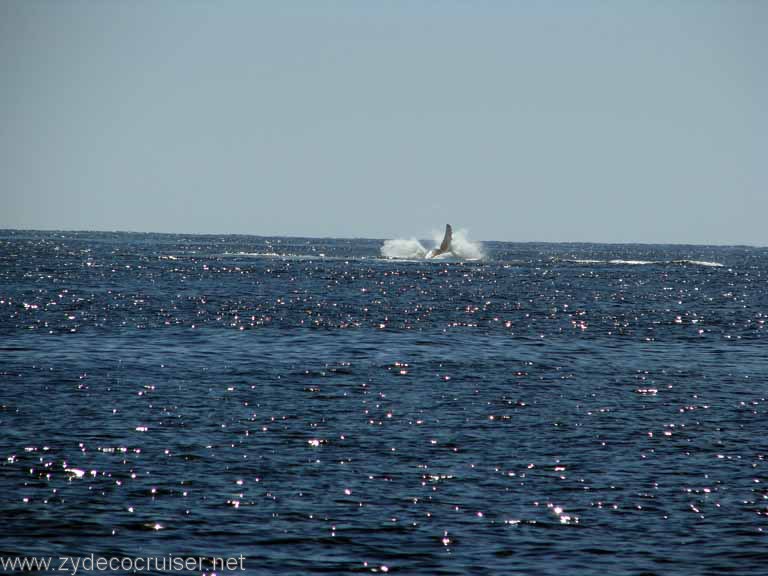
551	409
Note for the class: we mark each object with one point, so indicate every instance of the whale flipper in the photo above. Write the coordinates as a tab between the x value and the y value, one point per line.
445	245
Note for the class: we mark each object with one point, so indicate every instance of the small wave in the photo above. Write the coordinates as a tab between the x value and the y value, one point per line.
698	263
633	262
615	261
585	261
257	254
290	256
644	262
254	254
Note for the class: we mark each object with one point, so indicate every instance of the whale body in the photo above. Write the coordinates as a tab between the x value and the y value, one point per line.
445	245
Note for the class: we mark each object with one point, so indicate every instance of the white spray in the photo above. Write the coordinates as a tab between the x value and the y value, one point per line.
411	249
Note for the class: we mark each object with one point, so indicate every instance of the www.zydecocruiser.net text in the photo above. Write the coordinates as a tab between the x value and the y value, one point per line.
73	565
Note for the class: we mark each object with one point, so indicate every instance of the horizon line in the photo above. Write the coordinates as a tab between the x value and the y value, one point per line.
633	243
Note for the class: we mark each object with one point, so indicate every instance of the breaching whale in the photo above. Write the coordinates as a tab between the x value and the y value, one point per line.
445	245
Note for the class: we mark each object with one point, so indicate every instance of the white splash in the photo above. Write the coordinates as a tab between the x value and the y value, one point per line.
403	249
411	249
465	248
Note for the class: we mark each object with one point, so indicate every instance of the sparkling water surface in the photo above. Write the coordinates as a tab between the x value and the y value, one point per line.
549	409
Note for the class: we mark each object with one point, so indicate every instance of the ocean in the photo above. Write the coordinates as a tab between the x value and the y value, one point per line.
309	406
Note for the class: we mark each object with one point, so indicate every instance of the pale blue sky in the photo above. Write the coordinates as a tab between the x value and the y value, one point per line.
542	121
